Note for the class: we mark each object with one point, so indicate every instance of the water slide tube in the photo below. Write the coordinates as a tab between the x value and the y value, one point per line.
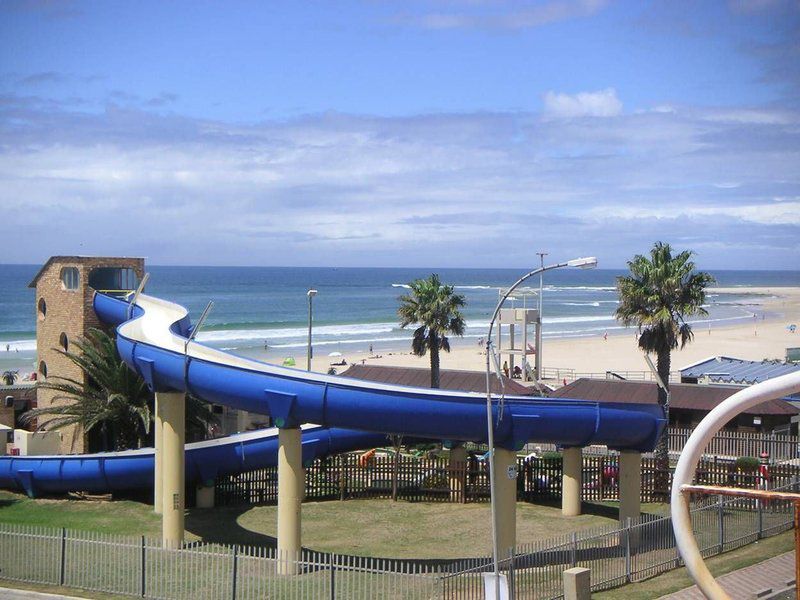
152	338
133	469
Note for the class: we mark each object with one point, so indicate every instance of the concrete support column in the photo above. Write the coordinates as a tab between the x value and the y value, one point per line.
290	496
158	444
505	468
172	412
205	496
577	584
458	466
571	482
630	485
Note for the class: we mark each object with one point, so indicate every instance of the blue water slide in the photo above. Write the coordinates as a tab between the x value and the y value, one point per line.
152	338
133	469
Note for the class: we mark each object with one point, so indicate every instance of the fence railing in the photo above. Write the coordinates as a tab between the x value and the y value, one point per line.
560	374
619	555
735	443
346	476
142	567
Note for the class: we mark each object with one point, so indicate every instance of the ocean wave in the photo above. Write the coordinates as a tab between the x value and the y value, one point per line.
294	332
17	345
580	288
475	287
580	304
401	285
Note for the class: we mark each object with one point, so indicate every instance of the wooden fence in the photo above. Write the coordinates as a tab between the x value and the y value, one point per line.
737	443
348	476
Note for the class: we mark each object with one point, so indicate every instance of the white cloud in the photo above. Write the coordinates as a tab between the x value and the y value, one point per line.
783	213
603	103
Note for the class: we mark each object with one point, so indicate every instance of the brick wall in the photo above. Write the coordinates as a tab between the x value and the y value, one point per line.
68	312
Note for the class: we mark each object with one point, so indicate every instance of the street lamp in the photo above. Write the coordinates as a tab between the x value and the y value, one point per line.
538	359
589	262
311	293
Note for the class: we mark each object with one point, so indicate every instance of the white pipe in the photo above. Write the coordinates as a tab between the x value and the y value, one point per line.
778	387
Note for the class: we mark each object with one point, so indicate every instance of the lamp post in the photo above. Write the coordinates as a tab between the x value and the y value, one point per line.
311	293
538	358
582	263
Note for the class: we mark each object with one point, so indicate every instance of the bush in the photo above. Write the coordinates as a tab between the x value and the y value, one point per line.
747	463
552	456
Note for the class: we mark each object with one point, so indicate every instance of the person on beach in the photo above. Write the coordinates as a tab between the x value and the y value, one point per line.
605	336
370	349
505	367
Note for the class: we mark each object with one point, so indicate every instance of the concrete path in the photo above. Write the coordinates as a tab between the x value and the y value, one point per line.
9	594
775	573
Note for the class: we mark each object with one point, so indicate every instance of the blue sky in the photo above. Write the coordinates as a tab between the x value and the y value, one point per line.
415	133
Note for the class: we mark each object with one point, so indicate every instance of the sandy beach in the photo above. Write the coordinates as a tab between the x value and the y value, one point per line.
764	337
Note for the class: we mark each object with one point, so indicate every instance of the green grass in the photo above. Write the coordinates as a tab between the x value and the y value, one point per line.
678	579
366	527
119	516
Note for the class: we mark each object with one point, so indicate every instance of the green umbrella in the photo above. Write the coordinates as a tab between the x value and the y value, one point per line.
289	361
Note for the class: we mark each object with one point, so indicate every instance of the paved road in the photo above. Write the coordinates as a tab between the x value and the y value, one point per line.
775	573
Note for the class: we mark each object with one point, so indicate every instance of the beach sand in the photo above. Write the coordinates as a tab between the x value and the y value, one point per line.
764	337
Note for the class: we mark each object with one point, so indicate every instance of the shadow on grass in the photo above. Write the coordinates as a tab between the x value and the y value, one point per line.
220	525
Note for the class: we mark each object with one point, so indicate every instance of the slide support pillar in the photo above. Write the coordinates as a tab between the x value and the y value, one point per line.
158	444
172	413
291	486
630	485
505	468
571	482
458	466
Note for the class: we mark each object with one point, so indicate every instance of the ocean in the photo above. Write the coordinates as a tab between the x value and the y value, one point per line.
355	308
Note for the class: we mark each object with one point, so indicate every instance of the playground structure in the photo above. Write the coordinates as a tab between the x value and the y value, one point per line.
682	487
154	338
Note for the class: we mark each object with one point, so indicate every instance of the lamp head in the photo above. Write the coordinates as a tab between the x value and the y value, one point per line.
587	262
311	293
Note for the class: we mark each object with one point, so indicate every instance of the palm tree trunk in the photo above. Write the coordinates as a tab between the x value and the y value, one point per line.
434	360
662	447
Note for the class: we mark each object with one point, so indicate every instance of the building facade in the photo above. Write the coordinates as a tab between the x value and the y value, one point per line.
65	288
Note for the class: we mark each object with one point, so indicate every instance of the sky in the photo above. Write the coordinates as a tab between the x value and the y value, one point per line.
418	133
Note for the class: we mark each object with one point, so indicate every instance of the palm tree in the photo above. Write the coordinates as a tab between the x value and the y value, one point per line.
435	308
115	401
657	297
9	377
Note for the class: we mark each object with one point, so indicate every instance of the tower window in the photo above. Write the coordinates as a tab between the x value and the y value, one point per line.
70	278
42	306
43	369
63	341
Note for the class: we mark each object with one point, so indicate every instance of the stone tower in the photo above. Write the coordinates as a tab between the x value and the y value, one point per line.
65	288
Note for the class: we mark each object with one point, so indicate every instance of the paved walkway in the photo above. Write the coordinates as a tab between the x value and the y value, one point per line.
10	594
775	573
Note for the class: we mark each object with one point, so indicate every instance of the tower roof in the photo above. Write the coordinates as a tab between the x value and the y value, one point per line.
80	259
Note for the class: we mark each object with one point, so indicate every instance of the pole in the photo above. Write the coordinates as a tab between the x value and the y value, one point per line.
582	263
538	358
310	294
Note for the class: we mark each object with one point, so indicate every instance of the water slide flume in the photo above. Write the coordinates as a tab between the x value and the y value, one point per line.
153	342
205	461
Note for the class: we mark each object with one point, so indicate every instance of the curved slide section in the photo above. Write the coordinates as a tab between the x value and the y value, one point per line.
152	338
133	469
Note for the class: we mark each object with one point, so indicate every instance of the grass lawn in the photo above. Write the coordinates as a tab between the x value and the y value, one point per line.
678	579
367	527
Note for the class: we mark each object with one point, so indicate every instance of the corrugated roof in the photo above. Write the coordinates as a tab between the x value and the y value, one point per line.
682	395
726	369
465	381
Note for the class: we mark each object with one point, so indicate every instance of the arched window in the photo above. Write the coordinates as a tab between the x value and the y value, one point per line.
43	369
63	341
70	278
42	306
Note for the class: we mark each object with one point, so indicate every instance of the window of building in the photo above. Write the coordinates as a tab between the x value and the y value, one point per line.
43	369
63	341
42	306
70	278
113	279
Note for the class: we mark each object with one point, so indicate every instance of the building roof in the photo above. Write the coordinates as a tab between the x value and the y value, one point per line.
77	258
465	381
682	395
725	369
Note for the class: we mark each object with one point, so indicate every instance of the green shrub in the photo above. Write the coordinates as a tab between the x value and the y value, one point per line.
747	463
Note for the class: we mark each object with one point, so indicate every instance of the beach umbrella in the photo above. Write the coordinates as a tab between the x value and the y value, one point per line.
289	361
335	354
